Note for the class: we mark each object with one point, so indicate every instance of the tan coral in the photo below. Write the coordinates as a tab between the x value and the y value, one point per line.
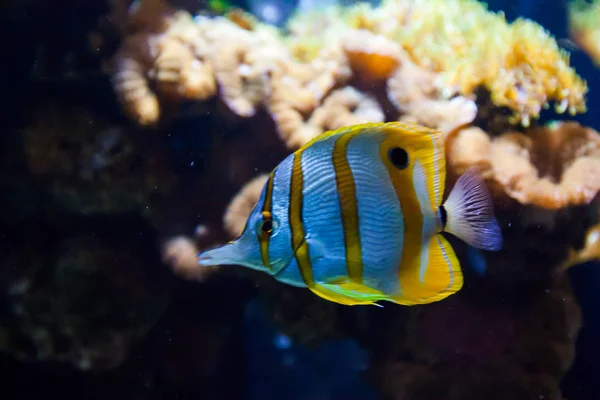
549	167
345	107
241	206
180	74
243	61
180	253
469	147
412	90
173	57
242	88
298	89
133	62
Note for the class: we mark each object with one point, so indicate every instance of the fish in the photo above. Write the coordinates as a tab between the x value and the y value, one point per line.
356	216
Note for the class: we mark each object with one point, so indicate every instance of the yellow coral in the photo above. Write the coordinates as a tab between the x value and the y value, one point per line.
520	63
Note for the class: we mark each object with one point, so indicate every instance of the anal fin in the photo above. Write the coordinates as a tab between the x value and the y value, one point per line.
346	292
443	275
438	279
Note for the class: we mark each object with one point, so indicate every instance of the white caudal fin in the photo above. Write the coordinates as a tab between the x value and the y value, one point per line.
470	213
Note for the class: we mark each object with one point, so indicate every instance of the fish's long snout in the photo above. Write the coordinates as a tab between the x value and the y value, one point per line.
228	254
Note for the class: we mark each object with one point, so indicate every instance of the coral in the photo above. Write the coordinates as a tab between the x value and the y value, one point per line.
466	46
169	51
584	27
298	89
181	253
450	49
411	89
551	167
132	65
346	106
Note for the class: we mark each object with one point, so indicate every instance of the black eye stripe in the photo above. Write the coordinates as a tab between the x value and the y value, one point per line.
398	157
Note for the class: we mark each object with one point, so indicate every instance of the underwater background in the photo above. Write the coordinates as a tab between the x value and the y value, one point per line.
138	133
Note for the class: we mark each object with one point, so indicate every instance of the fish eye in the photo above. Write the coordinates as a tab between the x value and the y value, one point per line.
266	224
399	157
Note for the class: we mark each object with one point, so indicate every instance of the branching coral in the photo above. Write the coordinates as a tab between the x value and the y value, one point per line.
550	167
171	53
452	48
411	89
584	26
298	89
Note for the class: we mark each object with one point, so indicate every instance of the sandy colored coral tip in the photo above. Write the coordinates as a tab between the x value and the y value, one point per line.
181	254
241	206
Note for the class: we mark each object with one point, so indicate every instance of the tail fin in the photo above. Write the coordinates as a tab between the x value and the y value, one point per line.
470	213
